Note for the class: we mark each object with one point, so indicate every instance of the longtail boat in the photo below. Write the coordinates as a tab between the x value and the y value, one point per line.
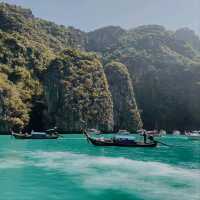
118	141
194	135
36	135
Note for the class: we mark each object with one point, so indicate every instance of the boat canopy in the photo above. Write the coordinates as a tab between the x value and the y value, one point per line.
38	133
124	137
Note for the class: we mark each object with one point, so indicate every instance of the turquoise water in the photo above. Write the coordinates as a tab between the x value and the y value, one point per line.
71	169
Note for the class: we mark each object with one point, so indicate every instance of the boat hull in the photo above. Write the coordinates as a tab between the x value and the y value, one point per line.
110	142
34	137
137	144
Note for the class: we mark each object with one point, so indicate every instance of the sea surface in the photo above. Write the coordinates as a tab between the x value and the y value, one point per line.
71	169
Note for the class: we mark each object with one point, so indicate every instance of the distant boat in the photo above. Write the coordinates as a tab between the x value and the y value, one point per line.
194	135
162	132
176	132
153	133
120	141
36	135
123	132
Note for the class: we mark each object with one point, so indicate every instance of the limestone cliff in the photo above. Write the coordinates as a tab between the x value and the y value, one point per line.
126	113
77	92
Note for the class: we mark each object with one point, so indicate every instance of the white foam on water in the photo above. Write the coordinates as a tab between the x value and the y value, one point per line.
9	163
151	180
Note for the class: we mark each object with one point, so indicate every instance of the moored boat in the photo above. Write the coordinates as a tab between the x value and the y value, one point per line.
118	141
37	135
123	132
176	132
162	132
153	133
194	135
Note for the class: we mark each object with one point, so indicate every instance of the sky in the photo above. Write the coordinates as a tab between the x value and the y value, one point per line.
88	15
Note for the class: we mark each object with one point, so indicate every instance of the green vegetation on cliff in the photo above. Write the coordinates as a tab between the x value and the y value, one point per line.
23	62
13	112
77	91
53	36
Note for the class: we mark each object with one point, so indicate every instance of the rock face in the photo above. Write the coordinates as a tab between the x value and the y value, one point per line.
77	92
126	114
105	38
165	72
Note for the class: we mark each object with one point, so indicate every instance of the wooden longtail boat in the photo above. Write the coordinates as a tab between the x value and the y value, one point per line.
35	135
118	142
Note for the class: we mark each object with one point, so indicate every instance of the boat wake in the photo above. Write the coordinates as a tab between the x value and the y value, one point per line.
149	180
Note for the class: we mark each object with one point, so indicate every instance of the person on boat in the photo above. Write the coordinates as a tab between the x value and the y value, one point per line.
27	134
145	137
55	132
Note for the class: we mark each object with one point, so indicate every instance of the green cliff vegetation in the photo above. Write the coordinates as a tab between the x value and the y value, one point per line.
17	19
23	62
47	79
13	112
77	92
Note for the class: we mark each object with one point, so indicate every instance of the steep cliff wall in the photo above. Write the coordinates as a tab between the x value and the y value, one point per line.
77	92
126	113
